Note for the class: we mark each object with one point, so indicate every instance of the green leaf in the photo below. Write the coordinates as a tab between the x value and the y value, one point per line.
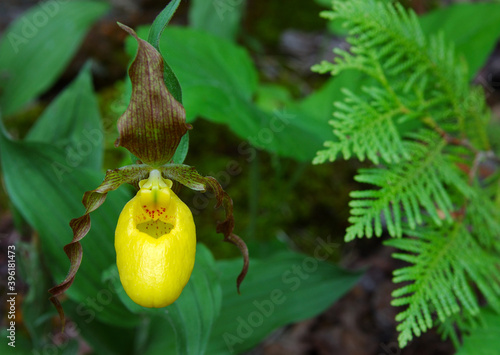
103	338
195	312
159	24
473	27
154	122
217	76
48	194
22	342
220	18
174	87
37	47
483	339
270	97
182	150
325	3
34	274
285	288
72	122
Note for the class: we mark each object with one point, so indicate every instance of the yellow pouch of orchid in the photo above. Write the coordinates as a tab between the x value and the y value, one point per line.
155	243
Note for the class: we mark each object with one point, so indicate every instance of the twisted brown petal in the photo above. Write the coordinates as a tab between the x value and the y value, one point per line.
188	176
81	225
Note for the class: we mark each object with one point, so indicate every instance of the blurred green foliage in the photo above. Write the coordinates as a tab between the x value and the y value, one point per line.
38	47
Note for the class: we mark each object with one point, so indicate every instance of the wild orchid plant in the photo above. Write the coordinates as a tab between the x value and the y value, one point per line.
155	238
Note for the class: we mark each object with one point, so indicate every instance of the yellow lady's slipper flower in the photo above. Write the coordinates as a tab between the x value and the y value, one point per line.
155	242
155	239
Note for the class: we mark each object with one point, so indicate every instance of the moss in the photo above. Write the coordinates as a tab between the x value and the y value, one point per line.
266	20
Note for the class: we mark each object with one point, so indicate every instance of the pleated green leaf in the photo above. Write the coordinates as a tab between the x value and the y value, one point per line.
220	18
159	24
37	47
103	338
48	198
483	339
279	290
72	122
174	87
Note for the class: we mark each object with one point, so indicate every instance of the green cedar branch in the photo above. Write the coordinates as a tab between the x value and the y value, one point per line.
447	265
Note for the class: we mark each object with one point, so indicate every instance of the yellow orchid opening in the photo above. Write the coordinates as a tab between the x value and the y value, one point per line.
155	243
